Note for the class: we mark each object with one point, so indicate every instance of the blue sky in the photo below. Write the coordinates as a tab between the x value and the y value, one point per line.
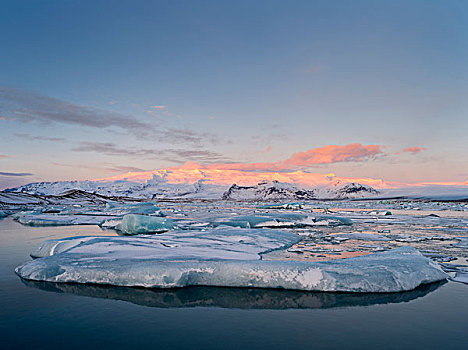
243	81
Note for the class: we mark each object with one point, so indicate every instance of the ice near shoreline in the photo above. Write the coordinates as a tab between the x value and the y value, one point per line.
224	257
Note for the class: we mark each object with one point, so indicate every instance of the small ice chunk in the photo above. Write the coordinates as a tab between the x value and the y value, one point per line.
133	224
462	242
291	206
111	223
327	220
381	213
460	277
361	236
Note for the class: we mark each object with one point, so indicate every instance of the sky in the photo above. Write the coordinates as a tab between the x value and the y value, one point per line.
363	89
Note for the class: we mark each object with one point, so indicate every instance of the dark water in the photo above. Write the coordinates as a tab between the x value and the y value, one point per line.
47	316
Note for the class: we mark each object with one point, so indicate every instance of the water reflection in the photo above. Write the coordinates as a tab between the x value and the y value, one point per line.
233	298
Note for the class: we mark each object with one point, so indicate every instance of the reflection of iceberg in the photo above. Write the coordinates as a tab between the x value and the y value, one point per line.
234	298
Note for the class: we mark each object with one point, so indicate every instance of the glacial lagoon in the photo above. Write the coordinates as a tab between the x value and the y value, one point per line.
44	314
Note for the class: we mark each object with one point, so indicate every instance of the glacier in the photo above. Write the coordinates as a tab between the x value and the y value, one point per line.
223	257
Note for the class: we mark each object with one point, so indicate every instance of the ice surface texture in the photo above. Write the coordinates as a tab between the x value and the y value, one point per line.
220	243
222	257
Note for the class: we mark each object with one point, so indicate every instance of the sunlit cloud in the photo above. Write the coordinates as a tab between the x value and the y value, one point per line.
415	149
288	170
158	107
192	172
2	156
316	156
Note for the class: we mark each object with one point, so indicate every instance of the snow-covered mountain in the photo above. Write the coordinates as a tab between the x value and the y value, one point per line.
266	190
275	190
160	188
344	190
154	188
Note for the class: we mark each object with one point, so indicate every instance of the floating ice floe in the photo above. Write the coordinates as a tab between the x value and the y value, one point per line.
219	243
133	224
109	216
59	220
142	208
277	220
327	220
360	237
460	277
223	257
292	206
462	242
381	213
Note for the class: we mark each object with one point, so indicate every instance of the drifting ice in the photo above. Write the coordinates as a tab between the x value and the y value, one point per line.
291	220
133	224
224	257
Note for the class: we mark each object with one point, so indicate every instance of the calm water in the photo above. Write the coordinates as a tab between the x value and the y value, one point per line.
44	315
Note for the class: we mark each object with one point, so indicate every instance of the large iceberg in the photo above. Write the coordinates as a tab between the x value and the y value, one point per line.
222	257
133	224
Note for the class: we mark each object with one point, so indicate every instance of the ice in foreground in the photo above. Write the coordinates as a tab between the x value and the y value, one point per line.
224	257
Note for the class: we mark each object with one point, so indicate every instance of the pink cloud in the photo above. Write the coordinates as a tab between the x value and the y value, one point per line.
159	107
415	149
321	155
